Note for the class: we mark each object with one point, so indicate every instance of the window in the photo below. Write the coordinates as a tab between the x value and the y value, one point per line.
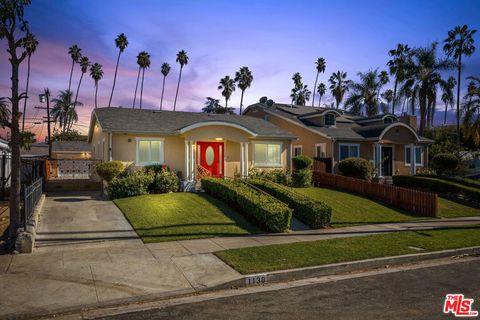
418	156
349	150
297	151
320	150
267	154
149	151
329	119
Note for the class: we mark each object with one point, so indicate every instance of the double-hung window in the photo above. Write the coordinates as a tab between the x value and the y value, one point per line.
418	156
349	150
320	150
329	120
297	151
149	151
267	154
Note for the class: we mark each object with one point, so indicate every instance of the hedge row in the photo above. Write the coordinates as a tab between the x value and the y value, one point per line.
315	214
438	185
265	210
465	181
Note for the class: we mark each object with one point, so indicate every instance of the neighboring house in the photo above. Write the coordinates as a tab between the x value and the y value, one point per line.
391	143
5	165
470	162
71	150
223	145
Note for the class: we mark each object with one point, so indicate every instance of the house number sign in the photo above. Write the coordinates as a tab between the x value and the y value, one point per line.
257	279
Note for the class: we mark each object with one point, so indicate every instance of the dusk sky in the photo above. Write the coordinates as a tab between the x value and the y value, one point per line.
273	38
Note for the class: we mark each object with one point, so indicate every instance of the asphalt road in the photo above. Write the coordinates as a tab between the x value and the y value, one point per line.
412	294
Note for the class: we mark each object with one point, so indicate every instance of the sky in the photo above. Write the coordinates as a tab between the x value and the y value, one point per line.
273	38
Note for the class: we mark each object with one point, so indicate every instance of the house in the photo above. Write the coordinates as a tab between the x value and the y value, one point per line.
189	142
71	150
5	166
391	143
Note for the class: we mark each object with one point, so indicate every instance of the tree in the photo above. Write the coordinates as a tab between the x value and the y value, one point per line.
182	59
165	71
63	111
388	96
70	135
27	138
14	29
365	93
96	73
401	58
459	43
30	46
320	66
122	43
212	106
471	108
321	89
244	79
84	64
4	112
75	53
300	93
143	61
338	86
227	85
447	94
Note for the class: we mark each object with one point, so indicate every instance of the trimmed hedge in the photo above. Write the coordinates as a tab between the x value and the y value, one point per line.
444	163
263	209
438	185
315	214
134	184
465	181
302	162
356	168
109	170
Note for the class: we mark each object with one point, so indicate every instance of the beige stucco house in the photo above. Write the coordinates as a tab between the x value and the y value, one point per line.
189	142
391	143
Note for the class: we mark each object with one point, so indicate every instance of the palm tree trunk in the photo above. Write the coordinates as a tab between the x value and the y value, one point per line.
141	88
76	99
226	105
96	91
394	95
320	101
178	85
71	74
163	89
241	102
445	115
26	91
114	79
136	87
314	89
458	96
423	111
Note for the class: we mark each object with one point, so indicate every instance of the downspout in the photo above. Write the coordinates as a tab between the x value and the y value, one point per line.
333	156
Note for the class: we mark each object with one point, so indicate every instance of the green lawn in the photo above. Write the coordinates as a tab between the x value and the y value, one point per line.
306	254
452	209
180	216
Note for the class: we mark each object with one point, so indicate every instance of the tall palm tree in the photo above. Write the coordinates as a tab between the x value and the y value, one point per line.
143	58
297	85
122	43
388	96
30	44
320	66
165	71
227	85
182	59
96	73
365	93
302	95
63	111
144	63
244	79
471	119
459	43
321	89
447	94
401	58
75	53
338	86
84	64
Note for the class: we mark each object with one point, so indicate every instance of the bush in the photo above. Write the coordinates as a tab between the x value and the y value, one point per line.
302	178
157	168
109	170
315	214
132	185
464	181
164	181
264	210
275	175
302	162
356	168
445	163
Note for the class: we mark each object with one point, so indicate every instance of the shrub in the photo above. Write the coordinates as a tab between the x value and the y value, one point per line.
275	175
356	168
302	162
109	170
157	168
445	163
302	178
132	185
164	182
264	210
315	214
464	181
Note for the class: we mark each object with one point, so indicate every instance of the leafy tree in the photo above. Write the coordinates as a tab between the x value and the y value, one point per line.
365	93
68	135
96	73
339	86
30	46
165	71
75	53
321	89
213	106
27	138
182	59
244	79
320	65
227	85
471	121
398	65
121	43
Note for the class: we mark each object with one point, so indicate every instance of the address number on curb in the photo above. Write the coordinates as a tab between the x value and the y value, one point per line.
257	279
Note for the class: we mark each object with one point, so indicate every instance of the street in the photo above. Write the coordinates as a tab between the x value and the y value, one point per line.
411	294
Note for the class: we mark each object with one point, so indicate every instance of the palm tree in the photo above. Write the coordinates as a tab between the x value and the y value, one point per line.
96	73
84	64
472	111
121	42
321	89
63	110
30	44
227	85
365	93
320	65
338	86
447	94
302	95
75	53
144	62
244	78
459	43
388	96
401	58
182	59
143	59
4	111
165	71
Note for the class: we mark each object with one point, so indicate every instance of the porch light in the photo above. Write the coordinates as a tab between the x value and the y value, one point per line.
218	139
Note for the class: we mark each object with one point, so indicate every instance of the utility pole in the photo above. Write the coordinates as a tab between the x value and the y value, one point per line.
45	97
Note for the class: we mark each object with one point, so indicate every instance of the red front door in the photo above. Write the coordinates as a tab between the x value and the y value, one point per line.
210	156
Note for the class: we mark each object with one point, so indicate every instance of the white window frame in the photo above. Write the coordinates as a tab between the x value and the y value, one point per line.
162	151
298	147
405	156
267	165
340	145
322	150
334	120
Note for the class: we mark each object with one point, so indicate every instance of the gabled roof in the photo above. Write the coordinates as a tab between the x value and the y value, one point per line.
147	121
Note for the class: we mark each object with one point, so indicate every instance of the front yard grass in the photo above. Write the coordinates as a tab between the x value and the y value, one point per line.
181	216
307	254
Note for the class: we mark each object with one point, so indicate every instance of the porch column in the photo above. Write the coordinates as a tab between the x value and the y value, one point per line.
245	147
289	156
378	158
192	160
110	157
187	161
242	160
413	169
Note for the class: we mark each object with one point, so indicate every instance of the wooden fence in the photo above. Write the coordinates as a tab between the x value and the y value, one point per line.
322	164
418	202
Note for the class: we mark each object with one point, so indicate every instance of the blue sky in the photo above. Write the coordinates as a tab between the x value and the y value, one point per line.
273	38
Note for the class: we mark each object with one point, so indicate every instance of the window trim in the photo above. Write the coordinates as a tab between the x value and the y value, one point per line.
340	145
298	146
162	151
405	156
267	165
